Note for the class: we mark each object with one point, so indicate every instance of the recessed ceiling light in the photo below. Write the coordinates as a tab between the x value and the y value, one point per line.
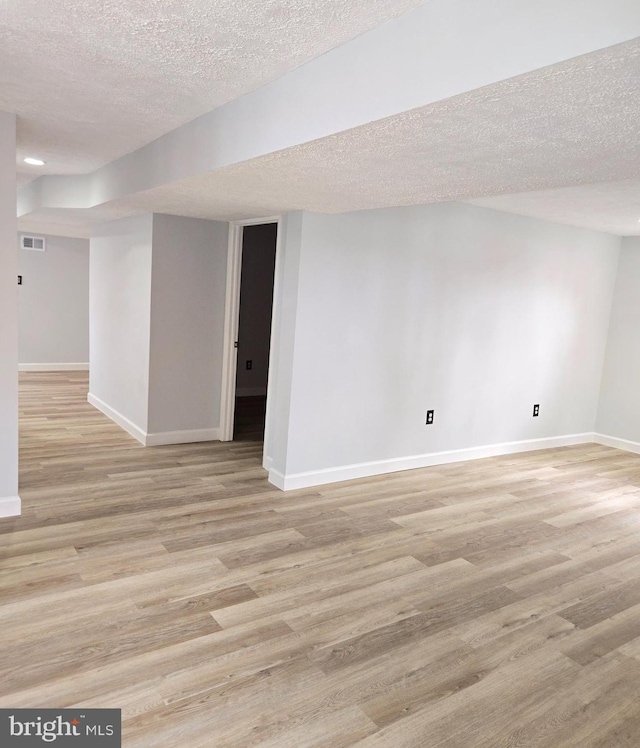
34	161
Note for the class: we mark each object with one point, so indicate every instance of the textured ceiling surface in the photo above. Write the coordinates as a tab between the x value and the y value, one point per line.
613	207
72	222
567	125
93	80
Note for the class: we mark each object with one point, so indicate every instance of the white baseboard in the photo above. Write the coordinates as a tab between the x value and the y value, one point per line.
10	506
54	367
182	437
122	421
251	391
267	462
279	480
614	441
380	467
155	439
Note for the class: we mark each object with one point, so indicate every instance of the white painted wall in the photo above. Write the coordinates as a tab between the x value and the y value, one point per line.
157	286
474	313
9	501
187	317
619	409
120	304
54	304
256	295
283	338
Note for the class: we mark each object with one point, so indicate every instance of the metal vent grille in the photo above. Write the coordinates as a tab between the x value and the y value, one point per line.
34	242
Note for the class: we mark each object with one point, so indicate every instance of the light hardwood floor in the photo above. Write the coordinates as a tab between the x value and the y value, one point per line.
487	604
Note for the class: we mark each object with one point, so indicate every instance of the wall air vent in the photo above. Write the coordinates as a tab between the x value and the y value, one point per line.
33	242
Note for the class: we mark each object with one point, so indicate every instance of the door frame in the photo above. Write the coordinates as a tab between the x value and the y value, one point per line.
232	319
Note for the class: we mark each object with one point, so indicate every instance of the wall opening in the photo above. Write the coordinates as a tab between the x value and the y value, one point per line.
254	330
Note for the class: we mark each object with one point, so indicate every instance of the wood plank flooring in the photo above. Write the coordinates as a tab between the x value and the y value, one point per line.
488	604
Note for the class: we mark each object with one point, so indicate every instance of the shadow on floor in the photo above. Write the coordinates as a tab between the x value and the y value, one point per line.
249	419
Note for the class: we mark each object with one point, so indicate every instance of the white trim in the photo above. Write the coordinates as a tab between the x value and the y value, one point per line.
614	441
122	421
274	343
158	438
182	437
267	462
10	506
277	479
54	367
251	391
380	467
231	320
256	221
230	334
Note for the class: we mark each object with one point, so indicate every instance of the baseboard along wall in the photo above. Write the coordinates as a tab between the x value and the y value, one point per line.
613	441
154	439
54	367
366	469
381	467
10	506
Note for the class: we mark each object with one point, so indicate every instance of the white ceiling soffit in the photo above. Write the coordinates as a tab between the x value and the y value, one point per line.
24	179
94	80
51	228
569	124
72	221
613	207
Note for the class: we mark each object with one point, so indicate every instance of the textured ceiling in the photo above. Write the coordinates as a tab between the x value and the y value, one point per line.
571	124
613	207
72	222
93	80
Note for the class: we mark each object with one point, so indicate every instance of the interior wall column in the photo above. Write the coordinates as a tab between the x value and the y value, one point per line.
9	500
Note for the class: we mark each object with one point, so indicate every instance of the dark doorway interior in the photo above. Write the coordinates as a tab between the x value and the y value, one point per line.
254	330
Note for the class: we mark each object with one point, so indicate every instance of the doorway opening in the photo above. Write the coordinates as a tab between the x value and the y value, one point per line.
257	271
